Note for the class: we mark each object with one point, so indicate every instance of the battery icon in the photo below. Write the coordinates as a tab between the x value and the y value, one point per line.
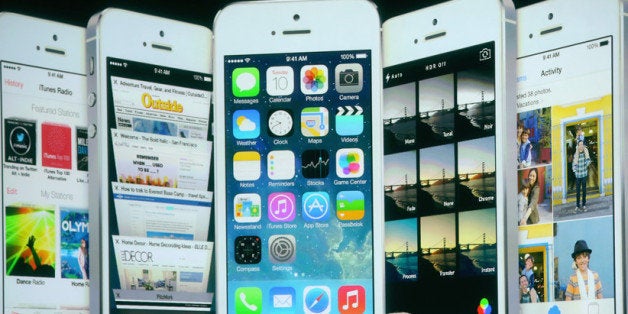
603	43
207	79
361	55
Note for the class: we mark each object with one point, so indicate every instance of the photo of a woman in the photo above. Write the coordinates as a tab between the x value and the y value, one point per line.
83	259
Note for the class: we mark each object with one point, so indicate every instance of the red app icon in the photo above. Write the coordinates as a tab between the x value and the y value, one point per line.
56	145
351	300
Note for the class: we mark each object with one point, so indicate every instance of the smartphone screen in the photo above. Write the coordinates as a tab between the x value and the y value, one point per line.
160	243
565	177
44	189
299	182
439	183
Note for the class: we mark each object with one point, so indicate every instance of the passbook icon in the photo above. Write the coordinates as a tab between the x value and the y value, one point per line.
282	297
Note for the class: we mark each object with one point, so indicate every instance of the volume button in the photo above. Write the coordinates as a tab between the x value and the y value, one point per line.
91	99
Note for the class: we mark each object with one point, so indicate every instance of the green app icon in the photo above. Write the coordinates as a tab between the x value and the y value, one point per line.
245	82
248	300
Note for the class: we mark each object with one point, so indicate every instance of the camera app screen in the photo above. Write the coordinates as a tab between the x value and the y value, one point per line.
565	178
161	240
44	190
439	183
299	182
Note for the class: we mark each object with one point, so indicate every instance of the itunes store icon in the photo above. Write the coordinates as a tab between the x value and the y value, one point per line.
281	207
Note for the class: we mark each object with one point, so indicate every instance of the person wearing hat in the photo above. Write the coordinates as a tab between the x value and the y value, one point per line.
584	284
528	269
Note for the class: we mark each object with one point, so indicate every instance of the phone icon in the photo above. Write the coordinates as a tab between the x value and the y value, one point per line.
245	82
248	300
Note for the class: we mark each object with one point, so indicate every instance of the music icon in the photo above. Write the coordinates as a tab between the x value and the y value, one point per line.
351	300
281	207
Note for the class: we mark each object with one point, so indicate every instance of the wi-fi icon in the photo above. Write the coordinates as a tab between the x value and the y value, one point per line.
247	60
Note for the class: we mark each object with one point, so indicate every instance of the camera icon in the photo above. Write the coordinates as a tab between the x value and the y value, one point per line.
485	54
349	77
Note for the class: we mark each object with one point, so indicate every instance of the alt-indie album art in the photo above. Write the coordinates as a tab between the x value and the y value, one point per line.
74	230
30	241
20	141
56	145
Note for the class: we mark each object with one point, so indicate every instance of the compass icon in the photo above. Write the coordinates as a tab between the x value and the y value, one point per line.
315	206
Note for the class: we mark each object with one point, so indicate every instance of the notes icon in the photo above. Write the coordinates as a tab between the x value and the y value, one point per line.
351	300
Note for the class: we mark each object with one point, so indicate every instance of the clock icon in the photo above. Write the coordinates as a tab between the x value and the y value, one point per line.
280	122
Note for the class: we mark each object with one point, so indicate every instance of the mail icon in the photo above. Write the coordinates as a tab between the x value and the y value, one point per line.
282	297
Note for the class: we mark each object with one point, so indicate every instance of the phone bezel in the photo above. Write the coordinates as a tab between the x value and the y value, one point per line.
569	15
121	34
464	26
247	28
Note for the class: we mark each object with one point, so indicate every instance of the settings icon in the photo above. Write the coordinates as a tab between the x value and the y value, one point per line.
282	248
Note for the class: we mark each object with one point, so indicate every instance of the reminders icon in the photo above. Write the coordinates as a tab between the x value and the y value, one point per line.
282	297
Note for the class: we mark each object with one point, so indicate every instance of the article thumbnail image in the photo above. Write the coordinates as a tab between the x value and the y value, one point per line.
436	110
533	202
74	244
399	118
534	132
438	180
438	245
476	173
477	242
154	127
401	250
148	279
475	109
582	158
577	236
30	241
400	185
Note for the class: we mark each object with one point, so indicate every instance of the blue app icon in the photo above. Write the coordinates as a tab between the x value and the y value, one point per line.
316	300
246	124
349	120
316	206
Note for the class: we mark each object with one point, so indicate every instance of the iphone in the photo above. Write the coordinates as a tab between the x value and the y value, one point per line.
298	157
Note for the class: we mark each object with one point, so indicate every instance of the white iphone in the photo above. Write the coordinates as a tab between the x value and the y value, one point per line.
298	157
150	143
447	69
569	104
45	221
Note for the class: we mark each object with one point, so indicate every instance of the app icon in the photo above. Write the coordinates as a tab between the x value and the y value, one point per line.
248	250
314	121
316	300
315	163
247	166
280	122
349	163
351	300
314	79
484	307
248	300
279	81
281	207
315	206
247	207
246	124
349	120
245	82
350	205
282	297
280	164
349	78
282	248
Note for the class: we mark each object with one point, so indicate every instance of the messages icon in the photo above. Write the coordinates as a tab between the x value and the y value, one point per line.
245	82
